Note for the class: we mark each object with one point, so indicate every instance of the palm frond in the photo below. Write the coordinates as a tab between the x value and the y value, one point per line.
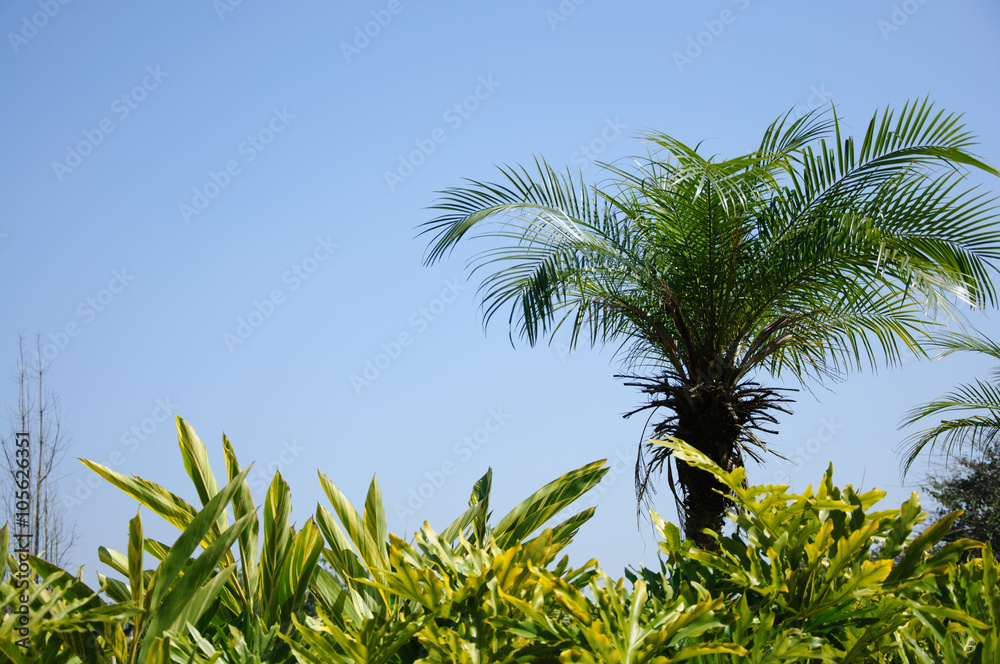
953	435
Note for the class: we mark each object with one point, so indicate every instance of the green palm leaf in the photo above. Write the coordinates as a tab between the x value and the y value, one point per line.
977	430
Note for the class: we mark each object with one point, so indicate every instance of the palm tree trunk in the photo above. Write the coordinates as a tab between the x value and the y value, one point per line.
719	419
708	421
703	505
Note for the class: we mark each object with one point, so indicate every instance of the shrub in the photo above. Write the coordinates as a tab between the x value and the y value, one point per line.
820	575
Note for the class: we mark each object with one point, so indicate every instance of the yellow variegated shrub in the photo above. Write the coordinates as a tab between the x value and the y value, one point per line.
821	575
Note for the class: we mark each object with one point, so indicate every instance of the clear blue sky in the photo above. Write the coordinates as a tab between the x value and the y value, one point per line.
215	163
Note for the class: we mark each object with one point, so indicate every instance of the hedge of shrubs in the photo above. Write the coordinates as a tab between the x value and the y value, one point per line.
822	575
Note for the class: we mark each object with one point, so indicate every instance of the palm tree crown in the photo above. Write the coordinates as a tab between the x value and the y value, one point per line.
802	257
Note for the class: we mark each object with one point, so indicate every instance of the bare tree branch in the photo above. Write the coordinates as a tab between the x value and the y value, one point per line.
38	413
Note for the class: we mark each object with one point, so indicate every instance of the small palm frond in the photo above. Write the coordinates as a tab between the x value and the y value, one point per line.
954	342
567	258
978	431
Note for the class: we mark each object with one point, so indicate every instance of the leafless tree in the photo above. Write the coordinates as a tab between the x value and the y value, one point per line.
38	414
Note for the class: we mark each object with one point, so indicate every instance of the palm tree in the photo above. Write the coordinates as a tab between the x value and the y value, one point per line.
980	430
803	257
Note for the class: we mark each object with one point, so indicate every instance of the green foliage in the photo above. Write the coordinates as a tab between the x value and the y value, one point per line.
615	625
801	254
827	577
260	588
974	488
61	613
454	599
359	556
820	575
974	485
226	645
212	606
181	590
977	406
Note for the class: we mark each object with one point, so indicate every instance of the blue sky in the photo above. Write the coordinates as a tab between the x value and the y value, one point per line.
211	209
